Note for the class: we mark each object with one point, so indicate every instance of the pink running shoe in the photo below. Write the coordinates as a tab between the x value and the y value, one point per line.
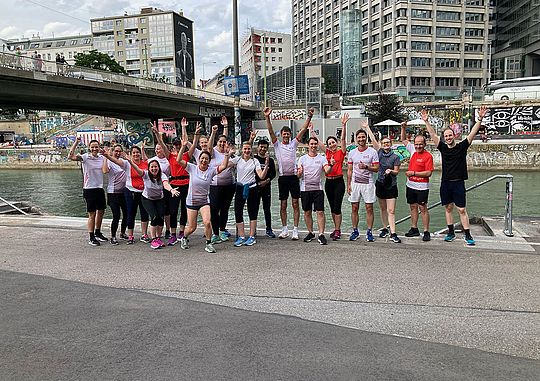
161	244
337	235
155	244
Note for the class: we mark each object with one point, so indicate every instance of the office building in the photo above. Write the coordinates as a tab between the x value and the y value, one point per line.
153	43
259	46
215	84
420	49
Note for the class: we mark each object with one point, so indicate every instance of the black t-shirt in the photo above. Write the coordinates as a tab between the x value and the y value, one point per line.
454	160
271	170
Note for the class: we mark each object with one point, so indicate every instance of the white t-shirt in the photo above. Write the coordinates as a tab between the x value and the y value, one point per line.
369	157
199	184
311	179
225	177
163	164
153	190
92	167
117	178
245	170
286	157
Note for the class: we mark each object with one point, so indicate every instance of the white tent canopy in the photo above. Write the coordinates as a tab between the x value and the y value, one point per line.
388	122
416	122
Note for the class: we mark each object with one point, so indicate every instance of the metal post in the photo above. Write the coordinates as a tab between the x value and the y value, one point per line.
264	70
237	131
508	207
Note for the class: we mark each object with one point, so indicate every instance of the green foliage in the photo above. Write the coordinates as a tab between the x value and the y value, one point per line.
387	106
100	61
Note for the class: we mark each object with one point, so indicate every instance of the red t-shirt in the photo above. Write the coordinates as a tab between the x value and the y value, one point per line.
177	170
339	157
134	182
420	162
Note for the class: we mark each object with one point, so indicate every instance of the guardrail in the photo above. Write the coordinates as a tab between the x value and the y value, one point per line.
38	65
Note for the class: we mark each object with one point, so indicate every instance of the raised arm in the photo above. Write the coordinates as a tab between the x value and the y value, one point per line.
225	162
481	113
263	172
211	140
425	117
198	129
139	171
404	134
306	124
105	166
159	139
116	161
72	155
312	133
376	145
267	112
143	152
344	120
225	124
252	136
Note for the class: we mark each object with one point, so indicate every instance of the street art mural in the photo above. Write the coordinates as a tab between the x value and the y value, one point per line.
519	120
139	131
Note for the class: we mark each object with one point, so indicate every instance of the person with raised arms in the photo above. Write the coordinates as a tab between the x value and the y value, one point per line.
288	182
162	158
115	193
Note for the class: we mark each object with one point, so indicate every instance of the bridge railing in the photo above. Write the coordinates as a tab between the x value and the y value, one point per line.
21	62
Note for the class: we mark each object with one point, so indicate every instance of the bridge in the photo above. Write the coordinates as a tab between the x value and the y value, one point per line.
27	83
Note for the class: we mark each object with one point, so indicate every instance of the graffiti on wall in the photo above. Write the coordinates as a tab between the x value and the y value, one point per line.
139	131
513	120
293	114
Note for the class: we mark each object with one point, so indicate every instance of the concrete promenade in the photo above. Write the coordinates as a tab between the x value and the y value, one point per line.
277	310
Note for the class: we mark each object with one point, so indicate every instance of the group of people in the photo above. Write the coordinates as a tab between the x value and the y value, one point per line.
171	189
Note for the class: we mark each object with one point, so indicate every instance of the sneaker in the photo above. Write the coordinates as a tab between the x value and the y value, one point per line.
161	243
184	243
309	237
394	238
124	236
384	233
284	233
450	237
145	239
180	235
223	236
369	236
93	242
114	241
216	239
155	244
226	232
172	241
167	234
333	234
239	241
101	237
469	240
354	235
413	232
294	236
426	237
209	248
322	239
270	233
250	241
337	235
130	240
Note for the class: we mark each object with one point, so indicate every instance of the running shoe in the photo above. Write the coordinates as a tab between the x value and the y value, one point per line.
449	237
145	238
413	232
369	236
184	243
155	244
322	239
354	235
337	235
394	238
223	236
309	237
426	237
209	248
172	241
284	233
333	234
161	243
101	237
180	235
130	240
294	236
215	239
384	233
250	241
469	240
114	241
93	242
270	233
167	234
239	241
124	236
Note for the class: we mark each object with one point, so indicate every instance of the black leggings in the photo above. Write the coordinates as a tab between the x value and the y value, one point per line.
134	200
220	202
265	194
335	190
117	202
155	209
252	203
176	203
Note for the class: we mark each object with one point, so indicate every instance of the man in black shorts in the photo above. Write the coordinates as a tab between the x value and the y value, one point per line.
454	173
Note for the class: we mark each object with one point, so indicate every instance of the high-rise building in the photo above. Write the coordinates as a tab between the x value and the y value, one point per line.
153	43
516	43
258	46
418	48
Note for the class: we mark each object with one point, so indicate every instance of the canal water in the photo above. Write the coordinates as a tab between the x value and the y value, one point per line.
59	192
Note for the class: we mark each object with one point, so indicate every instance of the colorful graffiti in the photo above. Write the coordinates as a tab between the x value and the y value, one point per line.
139	131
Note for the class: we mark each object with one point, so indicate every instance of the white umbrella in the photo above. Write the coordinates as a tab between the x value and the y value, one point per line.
388	123
416	122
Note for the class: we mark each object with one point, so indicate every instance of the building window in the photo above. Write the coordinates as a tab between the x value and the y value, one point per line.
471	82
447	16
444	31
142	20
387	65
420	45
472	64
473	32
375	53
474	17
446	82
420	13
446	47
420	29
479	3
420	62
473	47
420	81
401	61
446	62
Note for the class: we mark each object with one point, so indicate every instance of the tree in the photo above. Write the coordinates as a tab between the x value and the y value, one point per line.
387	106
100	61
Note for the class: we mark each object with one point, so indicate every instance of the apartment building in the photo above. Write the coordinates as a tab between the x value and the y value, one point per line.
153	43
420	49
49	47
263	53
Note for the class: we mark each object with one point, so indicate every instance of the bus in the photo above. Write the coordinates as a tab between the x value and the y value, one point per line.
513	89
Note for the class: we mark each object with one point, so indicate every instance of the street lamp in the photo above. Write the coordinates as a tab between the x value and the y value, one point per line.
206	63
237	132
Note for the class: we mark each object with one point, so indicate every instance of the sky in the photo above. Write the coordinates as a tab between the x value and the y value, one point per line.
212	20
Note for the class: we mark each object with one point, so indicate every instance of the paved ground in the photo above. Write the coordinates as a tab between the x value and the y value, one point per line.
412	311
